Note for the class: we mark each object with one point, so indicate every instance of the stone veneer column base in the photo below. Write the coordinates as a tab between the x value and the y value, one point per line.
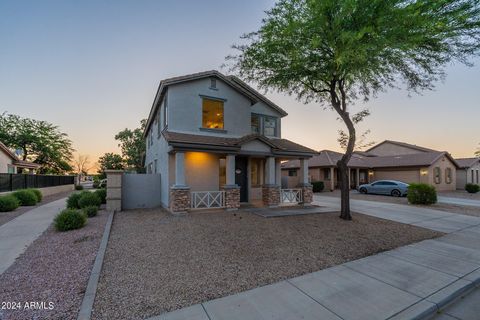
271	195
179	200
232	197
307	193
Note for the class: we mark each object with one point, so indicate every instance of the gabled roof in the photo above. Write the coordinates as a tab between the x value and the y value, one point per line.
467	162
17	162
232	81
283	146
328	158
8	152
403	144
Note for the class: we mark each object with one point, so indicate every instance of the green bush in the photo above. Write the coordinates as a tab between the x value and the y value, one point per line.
102	194
90	211
96	183
70	219
472	188
78	187
318	186
89	199
38	194
8	203
72	201
421	193
26	197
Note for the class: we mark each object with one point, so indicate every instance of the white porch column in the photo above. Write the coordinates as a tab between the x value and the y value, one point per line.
278	172
358	178
230	170
270	171
180	169
303	172
332	178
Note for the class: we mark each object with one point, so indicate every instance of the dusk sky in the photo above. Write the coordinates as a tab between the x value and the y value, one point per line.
93	68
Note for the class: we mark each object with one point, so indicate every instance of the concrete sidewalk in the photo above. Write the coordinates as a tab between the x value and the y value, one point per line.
467	307
459	201
17	234
410	282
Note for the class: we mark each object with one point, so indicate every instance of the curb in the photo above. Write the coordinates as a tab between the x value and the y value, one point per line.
86	308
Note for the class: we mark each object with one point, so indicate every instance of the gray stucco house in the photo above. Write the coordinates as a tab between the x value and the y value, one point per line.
216	142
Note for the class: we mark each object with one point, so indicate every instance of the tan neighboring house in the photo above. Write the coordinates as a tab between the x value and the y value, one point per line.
468	171
386	160
9	162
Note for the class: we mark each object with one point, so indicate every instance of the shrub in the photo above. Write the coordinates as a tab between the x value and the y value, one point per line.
89	199
38	194
72	201
90	211
102	194
421	193
472	188
8	203
318	186
26	197
78	187
96	183
70	219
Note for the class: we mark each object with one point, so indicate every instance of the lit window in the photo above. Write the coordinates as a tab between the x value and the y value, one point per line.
448	175
269	126
212	114
437	174
255	123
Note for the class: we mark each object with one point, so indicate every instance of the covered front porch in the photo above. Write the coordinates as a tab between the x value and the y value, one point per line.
204	180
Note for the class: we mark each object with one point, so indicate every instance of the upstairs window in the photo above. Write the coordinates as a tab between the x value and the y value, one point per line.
213	83
265	125
212	114
256	124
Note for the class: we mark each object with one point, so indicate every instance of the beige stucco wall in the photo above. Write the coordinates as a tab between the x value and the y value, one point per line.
202	171
5	160
407	176
443	163
464	176
390	149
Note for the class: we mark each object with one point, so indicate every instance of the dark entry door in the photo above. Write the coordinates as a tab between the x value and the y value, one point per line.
241	177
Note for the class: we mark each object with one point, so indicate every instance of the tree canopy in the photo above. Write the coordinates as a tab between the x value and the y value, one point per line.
337	52
39	142
132	145
110	161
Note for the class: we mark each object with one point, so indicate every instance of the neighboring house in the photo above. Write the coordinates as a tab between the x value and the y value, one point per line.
387	160
468	171
217	142
9	162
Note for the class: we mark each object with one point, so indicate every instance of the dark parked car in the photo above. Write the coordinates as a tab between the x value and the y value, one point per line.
389	187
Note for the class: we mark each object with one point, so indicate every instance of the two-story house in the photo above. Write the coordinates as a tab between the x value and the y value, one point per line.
216	142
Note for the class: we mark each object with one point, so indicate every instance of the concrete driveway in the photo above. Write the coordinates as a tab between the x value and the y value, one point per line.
459	201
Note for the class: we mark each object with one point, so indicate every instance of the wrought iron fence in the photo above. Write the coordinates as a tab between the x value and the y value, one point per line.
291	195
12	181
208	199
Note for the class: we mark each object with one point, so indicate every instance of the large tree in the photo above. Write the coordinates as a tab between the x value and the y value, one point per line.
132	145
110	161
39	141
338	52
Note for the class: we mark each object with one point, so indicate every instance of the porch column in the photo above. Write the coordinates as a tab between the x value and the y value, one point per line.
270	190
307	190
278	173
179	192
232	191
358	178
332	178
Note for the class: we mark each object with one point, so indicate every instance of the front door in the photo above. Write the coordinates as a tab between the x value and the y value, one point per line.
241	177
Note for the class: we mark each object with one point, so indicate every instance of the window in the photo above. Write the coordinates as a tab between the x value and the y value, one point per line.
326	174
10	168
155	166
437	175
448	175
256	123
222	172
270	126
473	181
165	112
212	117
292	172
213	83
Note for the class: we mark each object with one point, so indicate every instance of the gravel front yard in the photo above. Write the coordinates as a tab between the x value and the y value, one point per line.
466	210
54	269
7	216
156	262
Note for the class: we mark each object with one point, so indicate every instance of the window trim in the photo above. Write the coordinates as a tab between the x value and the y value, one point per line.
223	118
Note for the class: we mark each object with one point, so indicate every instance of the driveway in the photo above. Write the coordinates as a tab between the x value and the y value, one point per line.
459	201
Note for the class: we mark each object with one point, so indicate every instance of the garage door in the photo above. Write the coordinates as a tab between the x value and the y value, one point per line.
404	176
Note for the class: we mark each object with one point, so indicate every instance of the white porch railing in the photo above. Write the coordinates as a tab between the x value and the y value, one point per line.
208	199
291	196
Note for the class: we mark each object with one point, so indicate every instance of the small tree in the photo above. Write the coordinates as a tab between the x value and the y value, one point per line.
132	145
110	161
335	52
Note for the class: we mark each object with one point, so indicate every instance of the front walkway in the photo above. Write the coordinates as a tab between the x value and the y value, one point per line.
17	234
405	283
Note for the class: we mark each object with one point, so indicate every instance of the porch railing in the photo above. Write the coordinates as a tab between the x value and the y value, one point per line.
208	199
291	196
